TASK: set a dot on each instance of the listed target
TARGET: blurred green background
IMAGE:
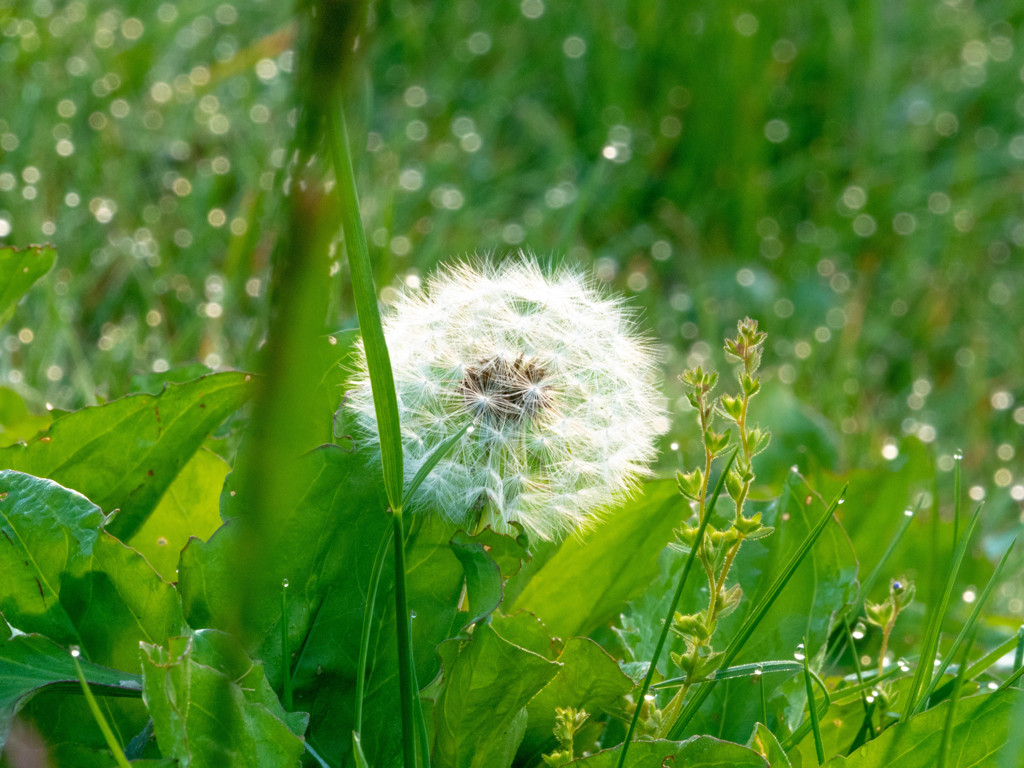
(850, 174)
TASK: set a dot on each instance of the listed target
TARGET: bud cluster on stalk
(717, 548)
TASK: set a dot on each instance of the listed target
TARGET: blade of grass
(804, 728)
(958, 468)
(958, 685)
(936, 614)
(425, 469)
(756, 615)
(860, 674)
(869, 582)
(101, 721)
(286, 662)
(982, 664)
(1017, 674)
(1018, 656)
(812, 710)
(691, 556)
(377, 358)
(740, 670)
(385, 402)
(968, 626)
(364, 637)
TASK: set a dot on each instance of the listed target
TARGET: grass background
(850, 174)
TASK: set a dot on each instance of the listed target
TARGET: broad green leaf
(69, 755)
(189, 507)
(480, 556)
(319, 543)
(29, 663)
(16, 421)
(332, 353)
(696, 752)
(481, 715)
(588, 580)
(213, 709)
(985, 733)
(19, 269)
(124, 454)
(763, 741)
(527, 631)
(589, 679)
(66, 578)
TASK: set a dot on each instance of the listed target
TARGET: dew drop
(958, 455)
(800, 655)
(649, 697)
(75, 651)
(794, 468)
(859, 631)
(412, 614)
(841, 501)
(908, 512)
(284, 583)
(758, 673)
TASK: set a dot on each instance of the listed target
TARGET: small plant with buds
(717, 548)
(568, 722)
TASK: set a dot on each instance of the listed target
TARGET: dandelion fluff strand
(559, 387)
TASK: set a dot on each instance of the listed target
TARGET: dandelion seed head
(558, 386)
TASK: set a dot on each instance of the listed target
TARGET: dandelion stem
(407, 696)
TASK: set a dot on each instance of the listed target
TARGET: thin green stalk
(101, 721)
(869, 582)
(364, 637)
(923, 674)
(958, 461)
(286, 662)
(757, 614)
(672, 610)
(1018, 656)
(860, 674)
(408, 698)
(969, 626)
(805, 727)
(811, 708)
(947, 728)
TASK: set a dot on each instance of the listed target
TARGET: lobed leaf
(125, 454)
(66, 578)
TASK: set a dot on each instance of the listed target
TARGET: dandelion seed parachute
(557, 385)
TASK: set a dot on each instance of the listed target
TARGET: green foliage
(481, 715)
(29, 663)
(697, 752)
(587, 580)
(19, 270)
(982, 731)
(66, 578)
(165, 517)
(211, 706)
(123, 455)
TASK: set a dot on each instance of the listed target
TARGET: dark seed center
(501, 390)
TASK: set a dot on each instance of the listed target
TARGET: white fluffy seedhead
(556, 384)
